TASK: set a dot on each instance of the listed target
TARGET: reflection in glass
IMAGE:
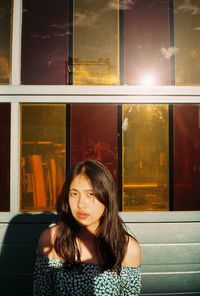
(43, 153)
(5, 40)
(94, 134)
(187, 42)
(147, 50)
(186, 157)
(44, 42)
(96, 42)
(5, 157)
(145, 157)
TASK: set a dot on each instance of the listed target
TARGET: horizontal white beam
(104, 99)
(76, 90)
(127, 217)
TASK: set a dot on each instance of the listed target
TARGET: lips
(82, 215)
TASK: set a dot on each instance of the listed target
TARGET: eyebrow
(83, 190)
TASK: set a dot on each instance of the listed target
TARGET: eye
(91, 194)
(73, 193)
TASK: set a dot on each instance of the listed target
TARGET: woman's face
(85, 207)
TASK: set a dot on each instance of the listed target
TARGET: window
(186, 157)
(145, 157)
(44, 42)
(5, 41)
(5, 157)
(109, 43)
(109, 53)
(95, 42)
(43, 146)
(187, 42)
(133, 140)
(147, 43)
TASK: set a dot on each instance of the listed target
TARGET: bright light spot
(148, 79)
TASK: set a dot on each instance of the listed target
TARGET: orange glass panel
(5, 40)
(96, 42)
(186, 157)
(43, 155)
(187, 42)
(145, 157)
(5, 157)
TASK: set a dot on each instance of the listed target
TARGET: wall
(170, 246)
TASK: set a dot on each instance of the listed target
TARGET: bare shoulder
(46, 241)
(133, 255)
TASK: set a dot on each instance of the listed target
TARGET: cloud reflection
(188, 7)
(169, 52)
(123, 5)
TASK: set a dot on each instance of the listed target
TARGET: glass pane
(146, 42)
(94, 134)
(186, 157)
(5, 40)
(187, 42)
(96, 42)
(44, 42)
(43, 155)
(5, 157)
(145, 157)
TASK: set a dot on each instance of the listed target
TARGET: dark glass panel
(96, 42)
(186, 157)
(44, 42)
(187, 42)
(5, 157)
(5, 40)
(43, 155)
(147, 49)
(94, 134)
(145, 158)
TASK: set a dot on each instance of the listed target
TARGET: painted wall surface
(170, 264)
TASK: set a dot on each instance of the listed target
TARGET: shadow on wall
(18, 244)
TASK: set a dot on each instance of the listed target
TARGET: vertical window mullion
(171, 160)
(16, 43)
(15, 158)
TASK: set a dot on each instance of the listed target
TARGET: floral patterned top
(51, 278)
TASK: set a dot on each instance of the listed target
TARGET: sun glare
(148, 79)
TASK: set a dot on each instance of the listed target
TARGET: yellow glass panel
(145, 157)
(187, 42)
(96, 42)
(43, 154)
(5, 40)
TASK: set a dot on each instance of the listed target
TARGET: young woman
(88, 252)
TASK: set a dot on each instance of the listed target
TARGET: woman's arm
(133, 254)
(130, 273)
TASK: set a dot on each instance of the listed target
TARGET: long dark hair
(111, 236)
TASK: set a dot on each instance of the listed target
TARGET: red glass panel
(44, 42)
(146, 42)
(5, 157)
(94, 134)
(186, 157)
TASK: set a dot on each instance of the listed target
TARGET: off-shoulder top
(52, 278)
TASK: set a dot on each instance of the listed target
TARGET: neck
(85, 234)
(87, 244)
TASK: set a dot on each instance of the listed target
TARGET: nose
(82, 202)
